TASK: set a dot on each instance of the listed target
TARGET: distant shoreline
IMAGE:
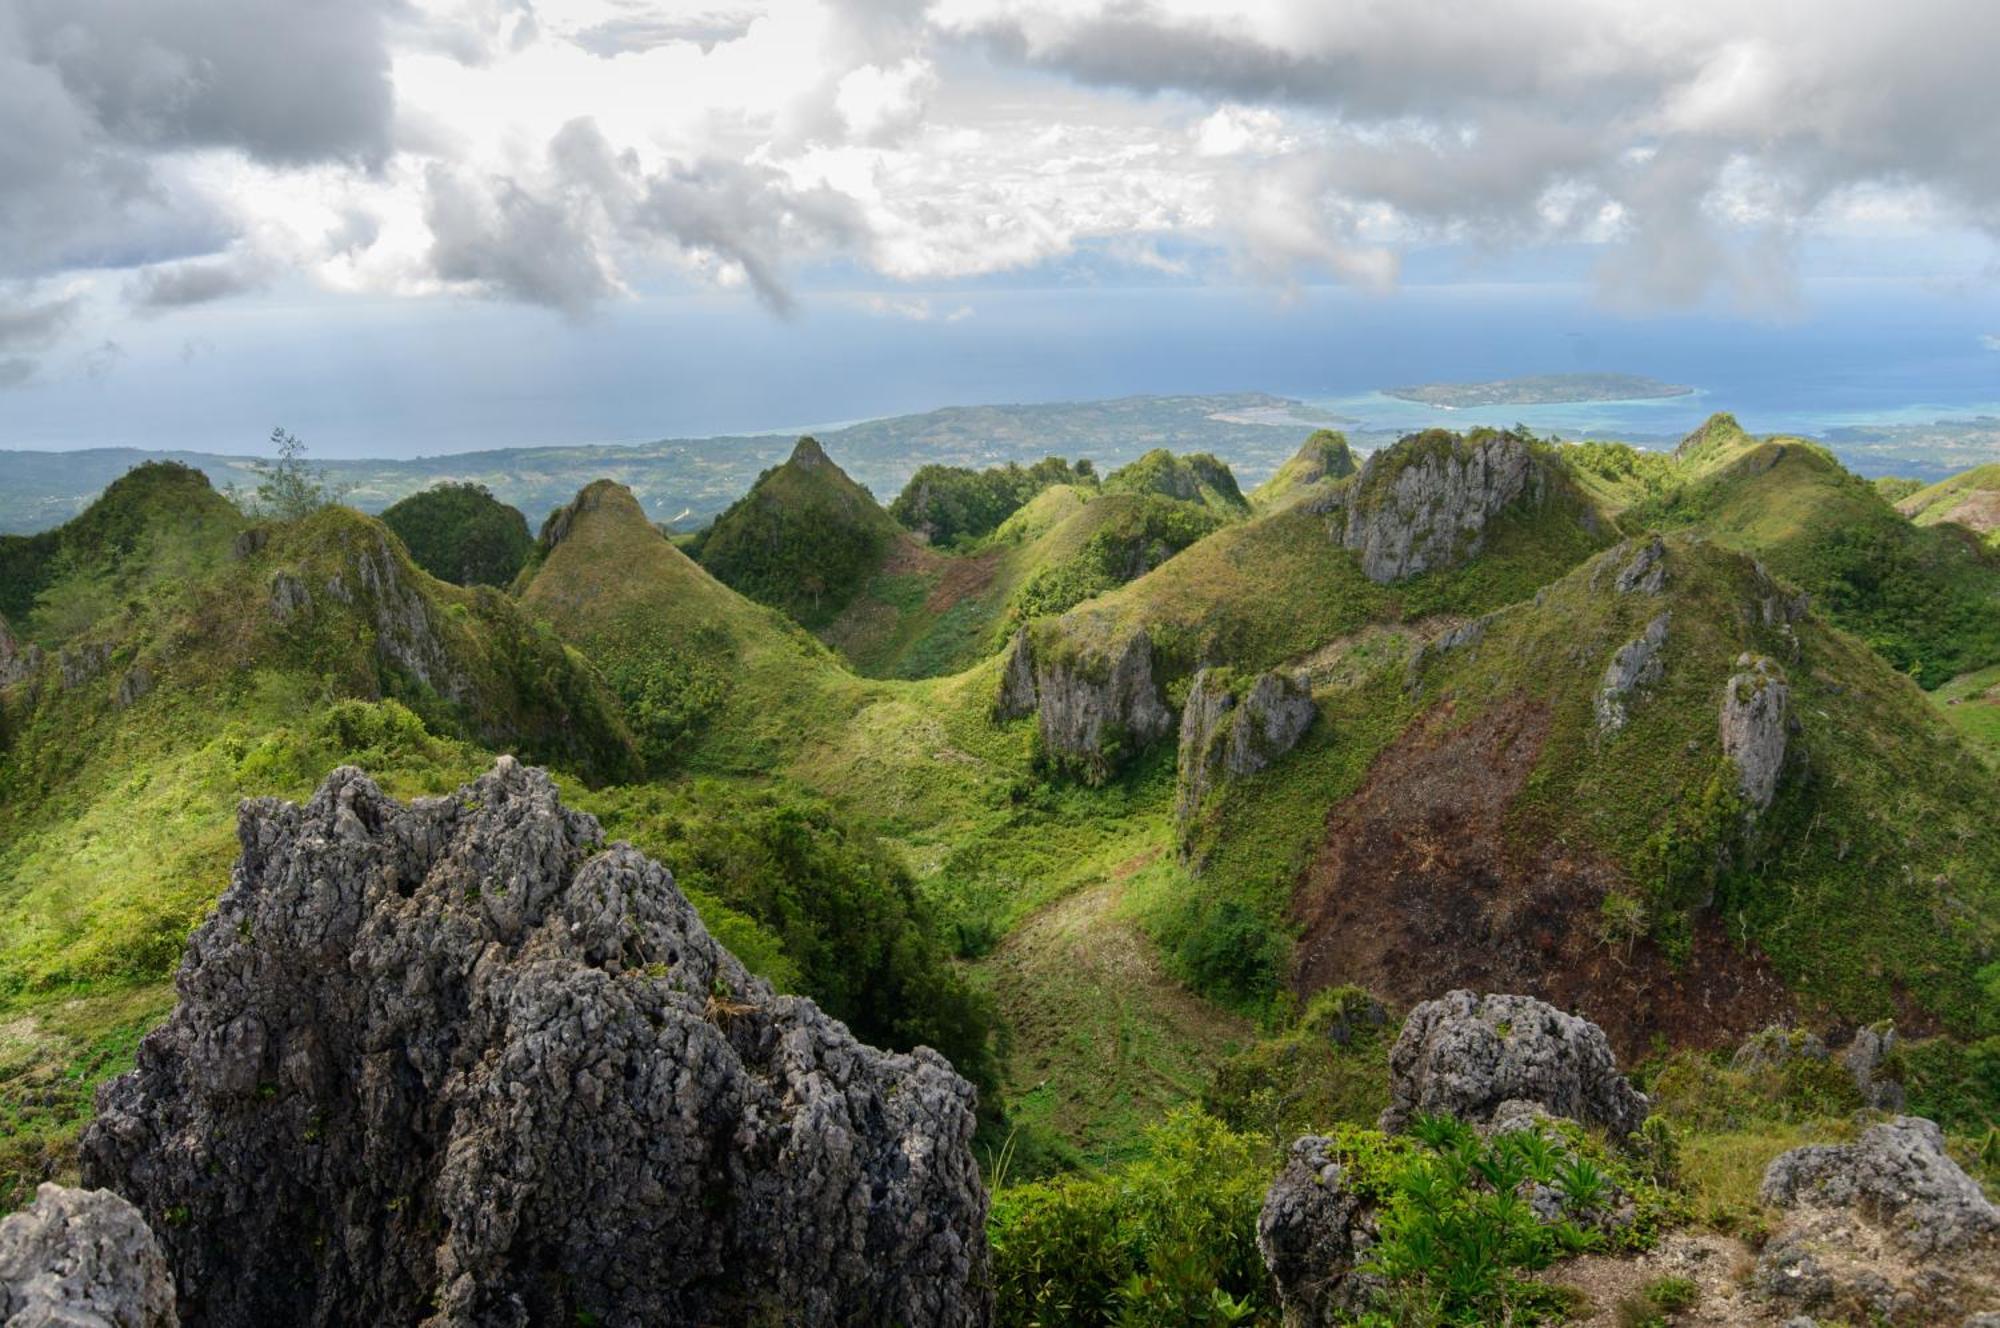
(1539, 390)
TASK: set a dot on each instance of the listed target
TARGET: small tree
(290, 488)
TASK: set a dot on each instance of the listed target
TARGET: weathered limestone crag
(1091, 710)
(1637, 664)
(1466, 1055)
(449, 1063)
(82, 1259)
(1425, 503)
(1314, 1232)
(1754, 723)
(1229, 731)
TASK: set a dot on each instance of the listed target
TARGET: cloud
(1711, 131)
(630, 33)
(158, 289)
(36, 326)
(1990, 341)
(16, 372)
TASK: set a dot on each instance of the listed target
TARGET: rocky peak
(807, 454)
(1425, 503)
(598, 495)
(454, 1062)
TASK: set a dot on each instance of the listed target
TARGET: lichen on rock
(451, 1062)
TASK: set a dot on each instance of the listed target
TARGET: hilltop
(1970, 498)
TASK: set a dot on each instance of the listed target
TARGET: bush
(1169, 1239)
(957, 505)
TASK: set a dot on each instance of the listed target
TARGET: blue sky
(499, 221)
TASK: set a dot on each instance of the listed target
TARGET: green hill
(804, 539)
(1926, 598)
(1970, 498)
(1324, 456)
(462, 534)
(1196, 477)
(1619, 868)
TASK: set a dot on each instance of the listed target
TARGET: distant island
(1539, 390)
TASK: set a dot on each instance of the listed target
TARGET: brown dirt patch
(1415, 890)
(963, 577)
(1716, 1264)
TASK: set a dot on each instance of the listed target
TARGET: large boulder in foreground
(1314, 1232)
(1465, 1055)
(1887, 1229)
(452, 1063)
(82, 1259)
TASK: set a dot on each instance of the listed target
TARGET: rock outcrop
(82, 1259)
(449, 1063)
(1425, 503)
(1887, 1228)
(1754, 723)
(1776, 1046)
(1647, 572)
(1637, 664)
(1313, 1232)
(1868, 1060)
(1091, 710)
(1466, 1055)
(1230, 731)
(18, 662)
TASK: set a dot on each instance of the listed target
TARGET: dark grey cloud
(159, 289)
(559, 240)
(28, 325)
(16, 372)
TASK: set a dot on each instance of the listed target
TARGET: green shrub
(1169, 1239)
(955, 505)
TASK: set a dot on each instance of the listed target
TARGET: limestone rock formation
(79, 665)
(1637, 664)
(17, 662)
(1647, 572)
(82, 1259)
(1467, 1055)
(1775, 1046)
(1425, 503)
(1887, 1228)
(1756, 710)
(1228, 731)
(1313, 1232)
(451, 1063)
(1091, 710)
(1867, 1059)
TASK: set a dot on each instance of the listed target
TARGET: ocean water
(400, 378)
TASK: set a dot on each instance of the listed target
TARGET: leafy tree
(956, 505)
(290, 488)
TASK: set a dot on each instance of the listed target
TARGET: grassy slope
(1928, 599)
(1877, 869)
(1970, 498)
(1324, 456)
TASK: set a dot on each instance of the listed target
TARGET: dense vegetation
(1127, 984)
(953, 505)
(462, 534)
(804, 538)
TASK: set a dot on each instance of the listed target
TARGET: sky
(421, 225)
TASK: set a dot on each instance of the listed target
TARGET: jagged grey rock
(136, 683)
(1898, 1175)
(450, 1063)
(82, 1259)
(1467, 1055)
(1229, 731)
(1425, 502)
(1865, 1059)
(1756, 705)
(1637, 664)
(1887, 1229)
(1092, 709)
(1313, 1233)
(289, 596)
(1647, 572)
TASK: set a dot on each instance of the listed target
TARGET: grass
(1970, 703)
